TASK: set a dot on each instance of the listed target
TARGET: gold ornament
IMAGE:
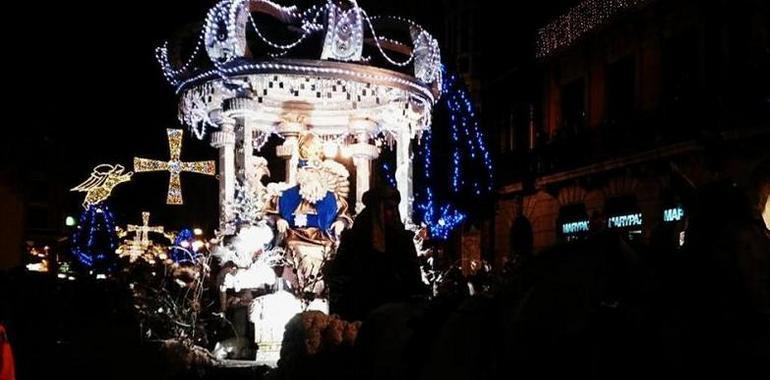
(142, 232)
(103, 179)
(174, 166)
(141, 246)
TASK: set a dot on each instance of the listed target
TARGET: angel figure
(103, 179)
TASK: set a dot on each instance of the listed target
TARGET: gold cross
(142, 232)
(174, 166)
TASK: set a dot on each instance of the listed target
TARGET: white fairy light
(578, 21)
(229, 15)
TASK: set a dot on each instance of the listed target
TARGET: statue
(312, 215)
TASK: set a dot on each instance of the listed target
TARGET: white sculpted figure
(312, 214)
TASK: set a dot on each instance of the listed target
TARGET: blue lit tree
(469, 175)
(181, 250)
(95, 239)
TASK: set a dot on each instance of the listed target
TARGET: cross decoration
(142, 232)
(174, 166)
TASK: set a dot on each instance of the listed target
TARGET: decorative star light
(580, 20)
(174, 166)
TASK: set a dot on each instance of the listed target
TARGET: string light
(95, 220)
(174, 166)
(183, 240)
(463, 120)
(439, 220)
(578, 21)
(227, 13)
(388, 175)
(468, 150)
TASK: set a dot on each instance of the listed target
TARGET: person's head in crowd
(383, 203)
(760, 189)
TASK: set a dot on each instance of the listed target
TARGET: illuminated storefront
(573, 222)
(623, 214)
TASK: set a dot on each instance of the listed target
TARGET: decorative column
(224, 140)
(289, 149)
(363, 153)
(363, 173)
(244, 149)
(404, 174)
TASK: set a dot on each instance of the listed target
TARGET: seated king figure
(312, 214)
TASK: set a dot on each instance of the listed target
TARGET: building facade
(626, 109)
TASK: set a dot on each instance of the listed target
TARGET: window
(681, 66)
(621, 89)
(573, 107)
(38, 191)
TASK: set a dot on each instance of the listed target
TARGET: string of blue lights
(178, 252)
(388, 175)
(442, 218)
(463, 120)
(95, 240)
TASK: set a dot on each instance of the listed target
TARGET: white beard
(312, 184)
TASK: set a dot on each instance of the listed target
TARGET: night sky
(94, 94)
(87, 90)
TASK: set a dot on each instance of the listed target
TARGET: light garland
(379, 46)
(578, 21)
(462, 119)
(439, 220)
(228, 17)
(97, 219)
(184, 238)
(388, 175)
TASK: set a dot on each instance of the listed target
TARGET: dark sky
(96, 95)
(87, 90)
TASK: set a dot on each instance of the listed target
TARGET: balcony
(695, 119)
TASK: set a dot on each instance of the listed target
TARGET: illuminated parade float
(335, 92)
(364, 91)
